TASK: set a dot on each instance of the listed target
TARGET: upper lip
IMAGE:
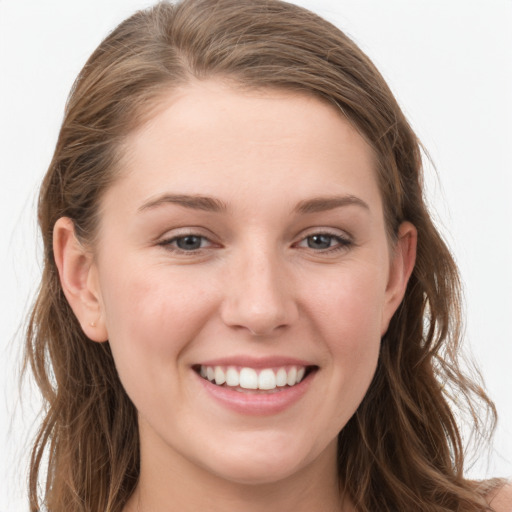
(256, 362)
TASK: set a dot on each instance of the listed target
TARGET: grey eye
(320, 241)
(189, 242)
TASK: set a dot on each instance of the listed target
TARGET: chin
(257, 472)
(262, 463)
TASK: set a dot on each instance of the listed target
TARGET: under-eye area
(261, 379)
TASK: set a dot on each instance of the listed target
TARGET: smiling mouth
(246, 379)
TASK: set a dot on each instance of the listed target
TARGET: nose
(259, 296)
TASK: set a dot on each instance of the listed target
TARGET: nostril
(265, 330)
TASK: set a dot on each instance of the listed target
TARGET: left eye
(323, 241)
(187, 242)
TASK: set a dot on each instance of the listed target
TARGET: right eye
(186, 243)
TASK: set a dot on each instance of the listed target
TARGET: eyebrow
(194, 202)
(211, 204)
(320, 204)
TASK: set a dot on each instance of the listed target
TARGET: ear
(403, 258)
(79, 279)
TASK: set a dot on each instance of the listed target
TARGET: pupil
(189, 243)
(319, 241)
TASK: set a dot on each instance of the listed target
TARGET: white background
(448, 62)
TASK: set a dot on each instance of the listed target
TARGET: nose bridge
(259, 296)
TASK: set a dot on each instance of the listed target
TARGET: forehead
(211, 138)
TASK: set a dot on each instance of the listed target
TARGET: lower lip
(255, 403)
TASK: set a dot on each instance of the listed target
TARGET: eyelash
(342, 243)
(171, 243)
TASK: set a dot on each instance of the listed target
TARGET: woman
(245, 304)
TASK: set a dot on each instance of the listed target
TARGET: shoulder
(500, 498)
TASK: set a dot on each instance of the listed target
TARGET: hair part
(402, 450)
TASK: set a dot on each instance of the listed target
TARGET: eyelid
(181, 231)
(334, 232)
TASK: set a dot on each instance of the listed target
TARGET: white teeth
(232, 377)
(292, 376)
(249, 378)
(220, 376)
(266, 379)
(281, 377)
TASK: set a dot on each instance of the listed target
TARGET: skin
(501, 500)
(257, 287)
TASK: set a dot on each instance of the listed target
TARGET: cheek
(153, 313)
(153, 316)
(347, 315)
(348, 308)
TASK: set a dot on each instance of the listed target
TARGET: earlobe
(78, 279)
(402, 265)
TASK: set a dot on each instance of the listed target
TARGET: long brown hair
(402, 450)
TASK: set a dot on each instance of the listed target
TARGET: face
(245, 241)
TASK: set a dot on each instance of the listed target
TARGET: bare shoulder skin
(501, 499)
